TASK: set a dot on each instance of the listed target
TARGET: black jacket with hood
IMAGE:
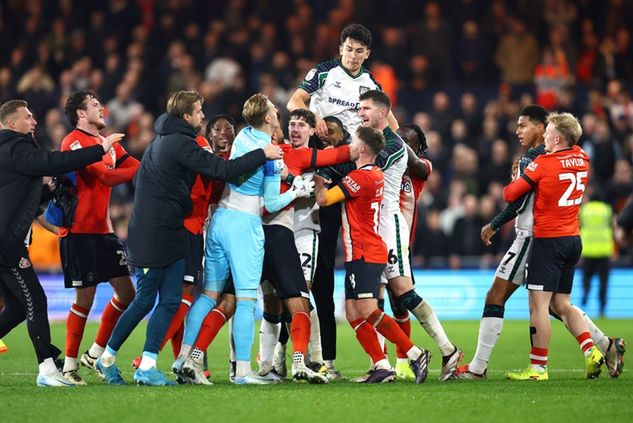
(22, 165)
(162, 199)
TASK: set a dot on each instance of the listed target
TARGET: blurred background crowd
(460, 69)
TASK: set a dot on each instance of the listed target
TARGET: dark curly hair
(77, 101)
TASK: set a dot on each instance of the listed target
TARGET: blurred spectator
(433, 39)
(466, 239)
(517, 54)
(473, 55)
(122, 108)
(550, 75)
(603, 152)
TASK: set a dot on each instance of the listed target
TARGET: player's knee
(246, 294)
(227, 305)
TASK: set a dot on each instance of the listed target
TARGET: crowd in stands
(460, 69)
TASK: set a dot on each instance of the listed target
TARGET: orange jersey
(559, 180)
(363, 189)
(301, 159)
(200, 196)
(410, 191)
(95, 182)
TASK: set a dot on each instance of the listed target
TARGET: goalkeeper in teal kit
(235, 238)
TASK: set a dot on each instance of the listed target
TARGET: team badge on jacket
(24, 263)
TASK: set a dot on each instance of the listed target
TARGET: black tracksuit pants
(24, 298)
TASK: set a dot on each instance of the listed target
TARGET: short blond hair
(181, 102)
(567, 125)
(255, 110)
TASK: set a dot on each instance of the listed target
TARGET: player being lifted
(374, 109)
(511, 271)
(558, 179)
(366, 255)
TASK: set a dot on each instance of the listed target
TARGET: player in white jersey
(333, 88)
(510, 273)
(374, 109)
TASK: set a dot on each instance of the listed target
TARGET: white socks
(316, 352)
(489, 331)
(268, 337)
(47, 367)
(599, 338)
(429, 321)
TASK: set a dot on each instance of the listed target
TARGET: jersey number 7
(575, 184)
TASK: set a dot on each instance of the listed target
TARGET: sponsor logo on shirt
(362, 90)
(351, 184)
(351, 104)
(337, 84)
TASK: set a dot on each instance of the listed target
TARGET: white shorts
(512, 266)
(395, 233)
(307, 242)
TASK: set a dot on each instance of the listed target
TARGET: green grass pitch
(567, 396)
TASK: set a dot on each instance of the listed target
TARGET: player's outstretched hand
(111, 140)
(302, 187)
(273, 152)
(487, 233)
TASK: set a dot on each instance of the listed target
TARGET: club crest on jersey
(532, 166)
(406, 186)
(311, 74)
(24, 263)
(362, 90)
(76, 145)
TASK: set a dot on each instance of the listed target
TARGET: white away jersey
(335, 92)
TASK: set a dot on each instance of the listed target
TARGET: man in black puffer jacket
(156, 236)
(22, 165)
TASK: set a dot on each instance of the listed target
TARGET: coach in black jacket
(156, 236)
(22, 165)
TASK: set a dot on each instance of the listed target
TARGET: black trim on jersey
(348, 195)
(313, 160)
(514, 208)
(529, 181)
(121, 159)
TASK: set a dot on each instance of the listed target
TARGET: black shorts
(229, 287)
(194, 245)
(282, 267)
(89, 259)
(551, 264)
(362, 280)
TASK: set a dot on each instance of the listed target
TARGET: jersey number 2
(575, 184)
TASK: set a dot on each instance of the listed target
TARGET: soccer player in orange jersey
(366, 256)
(558, 179)
(90, 251)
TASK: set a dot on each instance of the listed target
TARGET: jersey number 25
(575, 184)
